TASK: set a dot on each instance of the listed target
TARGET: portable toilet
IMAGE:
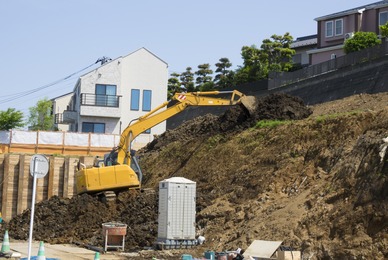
(176, 220)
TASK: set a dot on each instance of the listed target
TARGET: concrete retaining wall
(368, 77)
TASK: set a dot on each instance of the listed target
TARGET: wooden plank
(1, 177)
(66, 174)
(51, 180)
(73, 162)
(16, 183)
(4, 193)
(55, 149)
(21, 185)
(12, 188)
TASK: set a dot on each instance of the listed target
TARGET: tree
(41, 117)
(11, 119)
(173, 85)
(384, 30)
(255, 68)
(224, 78)
(361, 40)
(275, 54)
(187, 80)
(204, 80)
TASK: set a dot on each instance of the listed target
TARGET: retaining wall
(16, 182)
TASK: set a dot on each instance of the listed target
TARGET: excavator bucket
(250, 103)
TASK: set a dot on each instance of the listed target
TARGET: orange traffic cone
(5, 246)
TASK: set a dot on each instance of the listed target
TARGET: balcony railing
(69, 116)
(58, 118)
(100, 100)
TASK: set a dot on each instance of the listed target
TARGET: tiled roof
(305, 41)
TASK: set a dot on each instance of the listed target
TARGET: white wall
(59, 105)
(138, 70)
(143, 70)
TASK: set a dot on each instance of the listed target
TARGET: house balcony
(100, 105)
(68, 117)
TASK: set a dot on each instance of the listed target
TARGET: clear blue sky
(43, 41)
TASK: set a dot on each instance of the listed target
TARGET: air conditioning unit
(333, 56)
(348, 35)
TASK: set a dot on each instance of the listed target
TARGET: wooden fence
(16, 181)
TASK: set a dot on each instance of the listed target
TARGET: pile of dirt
(320, 184)
(80, 219)
(277, 106)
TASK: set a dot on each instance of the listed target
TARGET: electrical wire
(13, 97)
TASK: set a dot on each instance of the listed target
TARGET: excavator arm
(120, 171)
(183, 100)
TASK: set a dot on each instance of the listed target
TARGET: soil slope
(315, 179)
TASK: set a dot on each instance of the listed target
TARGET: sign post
(39, 166)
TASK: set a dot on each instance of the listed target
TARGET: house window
(106, 95)
(329, 29)
(339, 27)
(383, 18)
(147, 94)
(135, 99)
(93, 128)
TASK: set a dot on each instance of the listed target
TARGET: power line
(13, 97)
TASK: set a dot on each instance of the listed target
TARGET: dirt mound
(318, 184)
(79, 219)
(278, 106)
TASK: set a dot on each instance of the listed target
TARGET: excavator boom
(119, 164)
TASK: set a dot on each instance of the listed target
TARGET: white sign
(39, 166)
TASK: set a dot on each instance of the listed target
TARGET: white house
(106, 99)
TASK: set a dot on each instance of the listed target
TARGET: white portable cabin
(176, 221)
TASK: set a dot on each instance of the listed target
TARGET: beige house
(61, 104)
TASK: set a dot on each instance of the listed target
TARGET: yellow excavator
(119, 170)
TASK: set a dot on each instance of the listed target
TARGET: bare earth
(315, 178)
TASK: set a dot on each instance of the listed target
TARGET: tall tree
(254, 68)
(204, 79)
(11, 119)
(224, 76)
(187, 80)
(277, 51)
(174, 85)
(41, 117)
(275, 54)
(361, 40)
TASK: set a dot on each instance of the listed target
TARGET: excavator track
(107, 196)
